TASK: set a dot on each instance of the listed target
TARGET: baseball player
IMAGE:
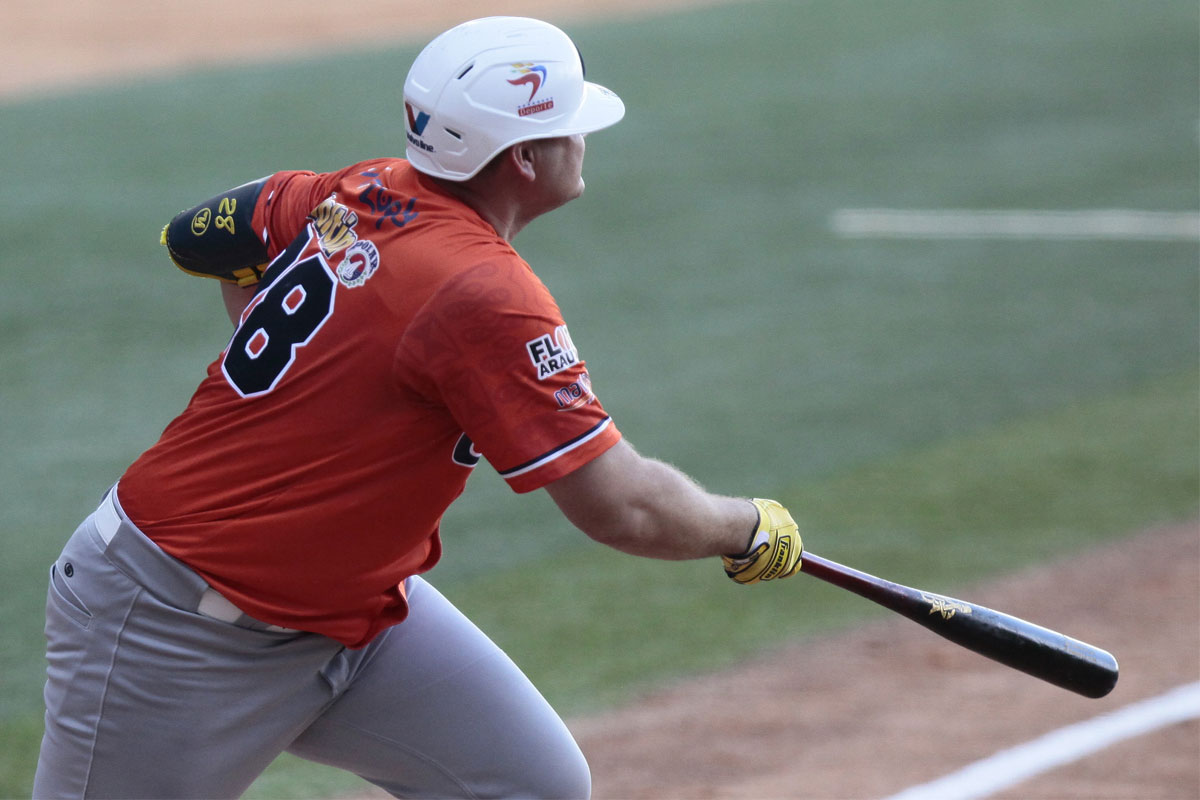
(251, 584)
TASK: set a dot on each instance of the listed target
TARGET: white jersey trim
(557, 452)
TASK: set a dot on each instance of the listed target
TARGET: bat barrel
(1051, 656)
(1032, 649)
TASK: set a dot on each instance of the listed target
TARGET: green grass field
(943, 411)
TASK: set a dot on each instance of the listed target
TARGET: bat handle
(830, 571)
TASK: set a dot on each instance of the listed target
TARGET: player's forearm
(644, 507)
(674, 518)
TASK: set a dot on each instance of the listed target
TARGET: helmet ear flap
(491, 82)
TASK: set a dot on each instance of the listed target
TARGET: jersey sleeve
(492, 347)
(288, 198)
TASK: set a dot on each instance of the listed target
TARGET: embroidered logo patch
(334, 224)
(552, 353)
(359, 263)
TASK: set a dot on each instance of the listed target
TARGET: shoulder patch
(334, 224)
(359, 263)
(552, 353)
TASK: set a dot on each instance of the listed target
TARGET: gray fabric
(147, 698)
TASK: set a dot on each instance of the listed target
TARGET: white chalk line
(950, 223)
(1063, 746)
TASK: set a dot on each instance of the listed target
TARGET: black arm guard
(216, 240)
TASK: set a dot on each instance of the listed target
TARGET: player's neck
(498, 203)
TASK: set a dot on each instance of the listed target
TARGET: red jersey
(396, 339)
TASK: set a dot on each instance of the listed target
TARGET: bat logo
(532, 75)
(944, 605)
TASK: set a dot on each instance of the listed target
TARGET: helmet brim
(600, 108)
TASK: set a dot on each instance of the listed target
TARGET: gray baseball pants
(155, 688)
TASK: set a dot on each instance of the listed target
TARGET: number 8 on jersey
(283, 318)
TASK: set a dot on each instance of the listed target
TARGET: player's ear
(523, 158)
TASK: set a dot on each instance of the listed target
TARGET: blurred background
(938, 397)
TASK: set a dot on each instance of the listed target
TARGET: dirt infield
(867, 714)
(48, 45)
(861, 715)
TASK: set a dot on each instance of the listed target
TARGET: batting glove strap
(775, 548)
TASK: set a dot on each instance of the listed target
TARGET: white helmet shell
(490, 83)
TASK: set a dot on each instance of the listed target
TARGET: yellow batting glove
(774, 550)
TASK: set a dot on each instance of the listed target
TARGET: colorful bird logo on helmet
(533, 75)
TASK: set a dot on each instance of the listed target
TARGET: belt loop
(214, 604)
(106, 518)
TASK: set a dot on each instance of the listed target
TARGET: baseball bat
(1032, 649)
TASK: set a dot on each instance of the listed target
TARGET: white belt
(212, 603)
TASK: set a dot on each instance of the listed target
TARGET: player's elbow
(608, 500)
(627, 529)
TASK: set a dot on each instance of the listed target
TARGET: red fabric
(307, 502)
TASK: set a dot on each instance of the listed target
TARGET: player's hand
(774, 550)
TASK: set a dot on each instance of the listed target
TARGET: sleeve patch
(552, 353)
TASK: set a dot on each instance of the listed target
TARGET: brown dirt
(66, 43)
(859, 715)
(872, 712)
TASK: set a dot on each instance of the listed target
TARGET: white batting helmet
(489, 83)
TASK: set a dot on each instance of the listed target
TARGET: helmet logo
(533, 76)
(416, 121)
